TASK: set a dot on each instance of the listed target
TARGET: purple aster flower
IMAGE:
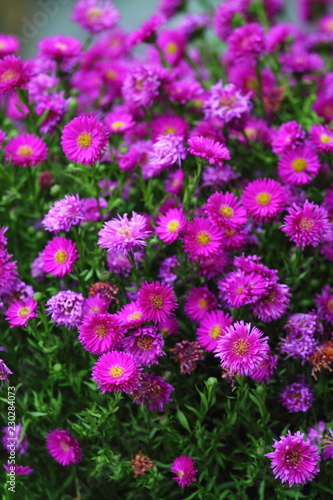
(295, 459)
(140, 86)
(247, 40)
(288, 136)
(265, 370)
(145, 345)
(4, 373)
(100, 333)
(66, 308)
(124, 234)
(301, 61)
(15, 438)
(153, 392)
(183, 467)
(297, 397)
(210, 150)
(242, 348)
(324, 301)
(226, 102)
(273, 305)
(63, 447)
(187, 354)
(165, 152)
(307, 225)
(322, 138)
(166, 272)
(95, 15)
(20, 470)
(298, 166)
(300, 342)
(64, 214)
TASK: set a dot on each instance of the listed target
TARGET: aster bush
(166, 248)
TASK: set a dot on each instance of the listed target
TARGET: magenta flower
(298, 166)
(183, 467)
(294, 460)
(199, 302)
(225, 210)
(140, 86)
(172, 43)
(25, 150)
(265, 370)
(14, 74)
(95, 15)
(247, 40)
(308, 225)
(273, 305)
(213, 151)
(145, 345)
(239, 288)
(264, 199)
(116, 371)
(124, 234)
(84, 140)
(202, 238)
(153, 391)
(63, 447)
(242, 348)
(59, 256)
(211, 328)
(96, 304)
(226, 102)
(297, 397)
(15, 437)
(289, 136)
(4, 372)
(168, 125)
(146, 32)
(170, 225)
(324, 301)
(66, 308)
(8, 45)
(322, 138)
(100, 332)
(130, 316)
(64, 214)
(20, 470)
(118, 122)
(19, 312)
(157, 301)
(60, 47)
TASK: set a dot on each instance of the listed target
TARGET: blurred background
(32, 20)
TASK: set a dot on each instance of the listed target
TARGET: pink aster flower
(298, 166)
(264, 199)
(223, 18)
(141, 86)
(15, 438)
(322, 137)
(59, 256)
(289, 136)
(239, 288)
(100, 332)
(165, 152)
(19, 312)
(84, 140)
(225, 210)
(297, 397)
(25, 150)
(170, 225)
(8, 45)
(124, 234)
(308, 225)
(145, 345)
(116, 371)
(226, 102)
(20, 470)
(60, 47)
(211, 328)
(130, 316)
(66, 308)
(4, 372)
(324, 301)
(273, 305)
(247, 40)
(183, 467)
(199, 302)
(265, 370)
(14, 74)
(96, 304)
(117, 122)
(63, 447)
(95, 15)
(202, 238)
(153, 391)
(167, 125)
(172, 43)
(295, 459)
(146, 32)
(64, 214)
(211, 150)
(242, 348)
(157, 301)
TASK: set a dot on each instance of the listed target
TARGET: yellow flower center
(263, 199)
(171, 48)
(111, 74)
(226, 211)
(124, 231)
(203, 238)
(61, 46)
(23, 312)
(145, 343)
(202, 303)
(325, 139)
(228, 101)
(9, 75)
(239, 290)
(61, 257)
(117, 125)
(84, 140)
(2, 45)
(229, 232)
(94, 13)
(215, 331)
(250, 132)
(329, 25)
(135, 315)
(293, 458)
(173, 226)
(169, 130)
(156, 301)
(101, 331)
(64, 446)
(306, 224)
(180, 473)
(241, 347)
(25, 151)
(299, 164)
(116, 371)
